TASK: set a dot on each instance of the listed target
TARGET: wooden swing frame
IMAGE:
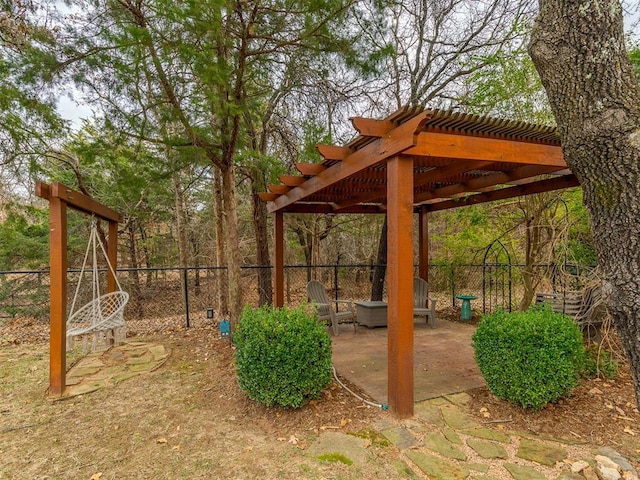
(60, 197)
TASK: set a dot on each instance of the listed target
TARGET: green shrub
(283, 356)
(529, 358)
(599, 363)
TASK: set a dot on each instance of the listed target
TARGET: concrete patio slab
(443, 359)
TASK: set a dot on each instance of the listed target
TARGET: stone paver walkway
(442, 442)
(99, 369)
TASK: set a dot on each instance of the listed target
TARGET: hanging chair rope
(103, 312)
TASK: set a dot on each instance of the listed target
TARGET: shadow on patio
(443, 359)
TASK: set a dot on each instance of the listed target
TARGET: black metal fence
(162, 293)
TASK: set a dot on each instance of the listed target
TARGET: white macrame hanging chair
(103, 317)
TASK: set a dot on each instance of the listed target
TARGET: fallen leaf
(629, 431)
(96, 476)
(595, 391)
(344, 422)
(175, 447)
(161, 440)
(293, 440)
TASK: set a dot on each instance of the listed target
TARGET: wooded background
(198, 105)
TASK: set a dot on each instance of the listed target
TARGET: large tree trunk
(181, 227)
(579, 50)
(380, 268)
(136, 291)
(234, 290)
(221, 284)
(265, 291)
(303, 232)
(541, 237)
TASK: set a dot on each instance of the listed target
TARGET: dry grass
(187, 419)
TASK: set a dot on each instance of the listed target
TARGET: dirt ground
(599, 411)
(189, 419)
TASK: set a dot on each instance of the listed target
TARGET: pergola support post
(58, 294)
(279, 259)
(400, 285)
(423, 243)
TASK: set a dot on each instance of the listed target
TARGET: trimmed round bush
(529, 358)
(283, 356)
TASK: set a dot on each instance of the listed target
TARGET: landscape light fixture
(225, 328)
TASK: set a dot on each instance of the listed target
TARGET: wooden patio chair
(328, 309)
(585, 307)
(423, 306)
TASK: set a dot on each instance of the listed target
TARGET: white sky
(74, 111)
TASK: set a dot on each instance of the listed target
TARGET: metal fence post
(453, 287)
(335, 279)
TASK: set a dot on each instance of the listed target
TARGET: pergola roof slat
(394, 143)
(453, 154)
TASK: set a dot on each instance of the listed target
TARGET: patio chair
(586, 307)
(328, 309)
(423, 306)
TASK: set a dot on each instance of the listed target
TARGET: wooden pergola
(416, 161)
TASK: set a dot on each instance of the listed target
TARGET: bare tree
(438, 43)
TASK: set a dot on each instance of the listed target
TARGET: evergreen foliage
(283, 356)
(529, 358)
(24, 242)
